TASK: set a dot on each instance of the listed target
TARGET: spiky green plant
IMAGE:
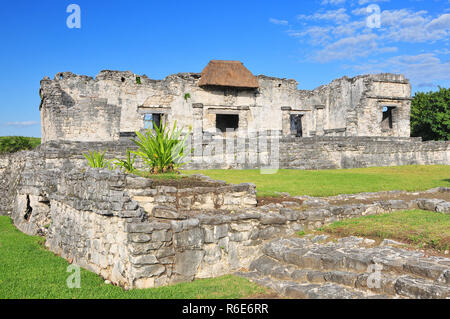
(97, 160)
(161, 149)
(128, 164)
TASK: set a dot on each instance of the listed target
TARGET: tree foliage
(430, 115)
(11, 144)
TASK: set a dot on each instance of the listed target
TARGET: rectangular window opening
(150, 120)
(387, 121)
(227, 121)
(296, 124)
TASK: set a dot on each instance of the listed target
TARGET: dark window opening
(152, 120)
(387, 121)
(227, 121)
(122, 79)
(296, 124)
(28, 210)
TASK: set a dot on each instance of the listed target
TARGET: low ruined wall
(101, 227)
(296, 153)
(355, 152)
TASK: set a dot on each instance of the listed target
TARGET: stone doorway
(296, 124)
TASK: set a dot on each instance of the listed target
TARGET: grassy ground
(10, 144)
(334, 182)
(146, 174)
(419, 228)
(27, 270)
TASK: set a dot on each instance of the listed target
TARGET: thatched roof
(228, 73)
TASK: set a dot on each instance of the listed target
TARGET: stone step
(357, 255)
(351, 267)
(296, 290)
(267, 267)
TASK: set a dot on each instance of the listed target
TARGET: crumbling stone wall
(71, 108)
(114, 104)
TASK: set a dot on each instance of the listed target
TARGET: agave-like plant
(97, 160)
(128, 164)
(162, 150)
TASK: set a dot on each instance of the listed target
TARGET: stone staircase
(349, 268)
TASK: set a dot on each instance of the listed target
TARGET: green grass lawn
(11, 144)
(420, 228)
(334, 182)
(27, 270)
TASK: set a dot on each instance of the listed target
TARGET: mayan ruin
(240, 151)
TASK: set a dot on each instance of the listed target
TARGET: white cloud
(443, 51)
(333, 2)
(317, 35)
(336, 35)
(363, 2)
(277, 21)
(441, 23)
(420, 69)
(338, 16)
(351, 48)
(344, 35)
(22, 124)
(413, 27)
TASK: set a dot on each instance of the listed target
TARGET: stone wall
(256, 152)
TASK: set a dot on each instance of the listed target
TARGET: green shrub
(11, 144)
(126, 165)
(97, 160)
(162, 150)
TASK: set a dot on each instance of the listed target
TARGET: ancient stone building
(224, 96)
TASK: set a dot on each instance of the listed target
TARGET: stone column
(319, 119)
(197, 131)
(286, 120)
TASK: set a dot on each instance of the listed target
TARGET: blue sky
(310, 41)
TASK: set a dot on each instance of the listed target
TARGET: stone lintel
(147, 109)
(390, 98)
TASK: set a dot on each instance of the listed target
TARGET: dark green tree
(430, 115)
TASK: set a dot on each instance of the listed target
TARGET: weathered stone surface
(429, 204)
(193, 238)
(149, 271)
(417, 288)
(308, 268)
(166, 213)
(143, 260)
(187, 262)
(443, 207)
